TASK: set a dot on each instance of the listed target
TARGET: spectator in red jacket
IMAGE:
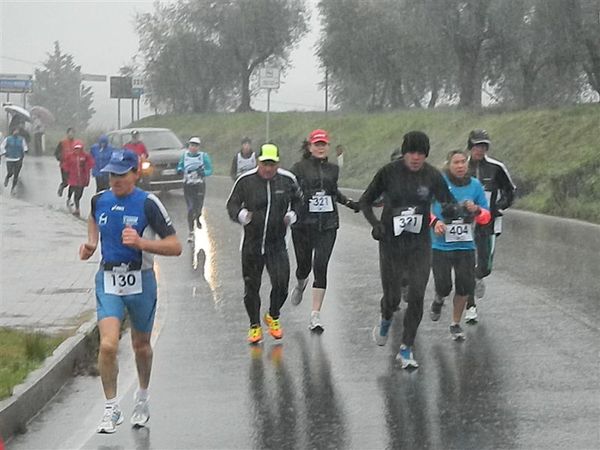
(136, 145)
(79, 164)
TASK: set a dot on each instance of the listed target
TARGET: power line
(20, 60)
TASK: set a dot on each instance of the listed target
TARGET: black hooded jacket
(314, 176)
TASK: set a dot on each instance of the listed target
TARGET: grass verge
(20, 353)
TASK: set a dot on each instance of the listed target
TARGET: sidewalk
(43, 284)
(44, 287)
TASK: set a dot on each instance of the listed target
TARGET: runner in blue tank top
(126, 220)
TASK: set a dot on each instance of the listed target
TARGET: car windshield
(160, 140)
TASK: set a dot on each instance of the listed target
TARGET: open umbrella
(42, 114)
(17, 111)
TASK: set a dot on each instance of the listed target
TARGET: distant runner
(78, 165)
(500, 193)
(13, 148)
(195, 167)
(63, 149)
(244, 160)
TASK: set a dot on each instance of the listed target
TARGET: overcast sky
(101, 37)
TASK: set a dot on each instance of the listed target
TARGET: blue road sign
(16, 83)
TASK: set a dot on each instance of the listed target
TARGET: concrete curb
(43, 384)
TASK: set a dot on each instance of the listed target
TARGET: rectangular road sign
(16, 83)
(268, 78)
(92, 77)
(120, 87)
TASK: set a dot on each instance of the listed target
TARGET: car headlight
(146, 165)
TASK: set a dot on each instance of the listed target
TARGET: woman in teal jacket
(452, 239)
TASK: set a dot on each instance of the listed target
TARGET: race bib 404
(459, 232)
(123, 282)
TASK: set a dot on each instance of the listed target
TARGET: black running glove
(378, 232)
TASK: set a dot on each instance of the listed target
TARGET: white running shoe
(457, 332)
(141, 413)
(111, 418)
(471, 315)
(479, 288)
(298, 291)
(380, 332)
(406, 358)
(315, 322)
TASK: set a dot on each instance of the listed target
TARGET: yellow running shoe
(274, 326)
(254, 335)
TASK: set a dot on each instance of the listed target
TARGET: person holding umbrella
(41, 118)
(14, 147)
(19, 118)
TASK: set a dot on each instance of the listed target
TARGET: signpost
(16, 83)
(268, 78)
(126, 87)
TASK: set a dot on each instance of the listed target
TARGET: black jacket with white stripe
(496, 181)
(268, 201)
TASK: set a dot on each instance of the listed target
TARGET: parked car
(159, 171)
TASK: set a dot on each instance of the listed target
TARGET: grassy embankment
(553, 155)
(20, 353)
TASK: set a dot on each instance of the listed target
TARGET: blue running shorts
(140, 307)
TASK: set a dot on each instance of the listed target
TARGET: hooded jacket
(268, 201)
(101, 152)
(78, 165)
(318, 177)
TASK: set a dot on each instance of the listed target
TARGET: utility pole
(326, 89)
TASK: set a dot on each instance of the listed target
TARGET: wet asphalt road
(526, 377)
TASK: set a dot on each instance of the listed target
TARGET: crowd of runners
(445, 222)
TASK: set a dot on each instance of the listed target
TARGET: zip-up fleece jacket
(318, 175)
(497, 184)
(268, 201)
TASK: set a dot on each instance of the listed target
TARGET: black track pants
(77, 193)
(278, 267)
(395, 261)
(13, 169)
(194, 199)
